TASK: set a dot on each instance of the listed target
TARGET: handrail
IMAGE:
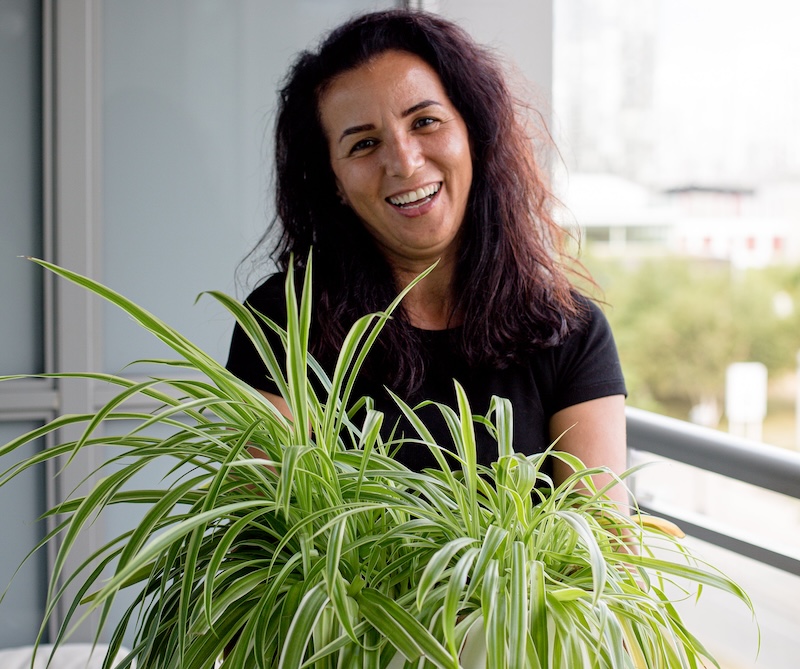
(753, 462)
(750, 461)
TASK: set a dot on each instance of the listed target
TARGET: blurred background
(135, 142)
(679, 167)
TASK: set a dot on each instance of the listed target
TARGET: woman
(398, 144)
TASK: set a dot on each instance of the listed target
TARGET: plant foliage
(330, 554)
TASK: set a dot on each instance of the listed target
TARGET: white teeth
(415, 195)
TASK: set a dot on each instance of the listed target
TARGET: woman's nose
(403, 156)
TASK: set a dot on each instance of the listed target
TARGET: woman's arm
(595, 433)
(280, 404)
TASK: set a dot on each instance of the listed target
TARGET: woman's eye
(362, 144)
(425, 122)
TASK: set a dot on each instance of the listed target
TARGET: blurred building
(747, 227)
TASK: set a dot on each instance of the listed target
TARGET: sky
(725, 87)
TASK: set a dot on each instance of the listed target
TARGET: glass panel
(189, 92)
(682, 168)
(20, 186)
(120, 518)
(22, 501)
(676, 120)
(724, 624)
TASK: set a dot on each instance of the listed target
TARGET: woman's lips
(416, 202)
(414, 195)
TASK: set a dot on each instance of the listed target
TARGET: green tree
(680, 322)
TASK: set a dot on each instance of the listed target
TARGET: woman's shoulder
(270, 290)
(591, 317)
(590, 344)
(587, 333)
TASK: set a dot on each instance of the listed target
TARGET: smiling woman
(332, 553)
(399, 145)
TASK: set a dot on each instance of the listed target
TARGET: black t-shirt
(584, 367)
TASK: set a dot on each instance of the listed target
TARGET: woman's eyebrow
(354, 130)
(419, 106)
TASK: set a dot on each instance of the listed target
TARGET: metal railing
(762, 465)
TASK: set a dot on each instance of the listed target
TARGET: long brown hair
(509, 284)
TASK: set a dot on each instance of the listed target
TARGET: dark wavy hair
(510, 286)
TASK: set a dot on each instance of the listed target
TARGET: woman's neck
(429, 305)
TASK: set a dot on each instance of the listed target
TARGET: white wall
(136, 143)
(521, 31)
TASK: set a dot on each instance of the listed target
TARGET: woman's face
(400, 153)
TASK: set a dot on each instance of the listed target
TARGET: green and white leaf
(335, 556)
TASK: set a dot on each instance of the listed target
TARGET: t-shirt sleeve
(243, 359)
(587, 366)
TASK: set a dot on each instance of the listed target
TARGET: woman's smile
(414, 202)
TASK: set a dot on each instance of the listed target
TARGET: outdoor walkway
(725, 626)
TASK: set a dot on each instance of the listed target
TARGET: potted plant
(333, 555)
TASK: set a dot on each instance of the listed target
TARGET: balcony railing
(762, 465)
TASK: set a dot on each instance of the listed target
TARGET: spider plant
(329, 554)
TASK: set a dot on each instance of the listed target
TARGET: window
(682, 115)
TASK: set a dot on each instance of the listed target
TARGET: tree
(679, 323)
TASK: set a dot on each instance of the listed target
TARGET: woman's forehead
(393, 82)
